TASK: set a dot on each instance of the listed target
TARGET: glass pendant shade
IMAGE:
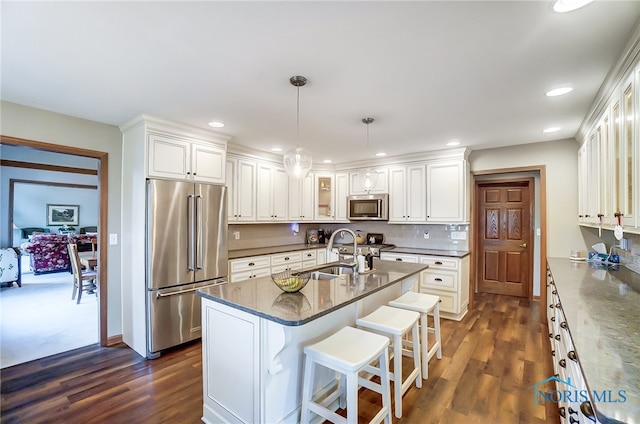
(297, 162)
(368, 179)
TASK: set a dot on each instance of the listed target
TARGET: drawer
(440, 280)
(286, 258)
(437, 262)
(448, 301)
(247, 275)
(309, 264)
(308, 255)
(399, 257)
(289, 265)
(245, 264)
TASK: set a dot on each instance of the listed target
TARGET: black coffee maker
(321, 239)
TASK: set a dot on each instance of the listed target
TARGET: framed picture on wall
(63, 214)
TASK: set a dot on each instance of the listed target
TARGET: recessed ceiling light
(453, 143)
(564, 6)
(326, 161)
(216, 124)
(276, 149)
(551, 129)
(558, 91)
(380, 154)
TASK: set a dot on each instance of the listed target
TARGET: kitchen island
(253, 334)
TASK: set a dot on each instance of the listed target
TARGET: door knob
(522, 245)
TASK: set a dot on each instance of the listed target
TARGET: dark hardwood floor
(490, 361)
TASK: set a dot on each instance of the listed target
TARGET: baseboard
(114, 340)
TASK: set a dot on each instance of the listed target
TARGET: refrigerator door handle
(158, 294)
(199, 226)
(190, 232)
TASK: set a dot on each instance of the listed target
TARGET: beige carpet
(39, 319)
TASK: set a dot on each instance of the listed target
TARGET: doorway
(504, 242)
(102, 158)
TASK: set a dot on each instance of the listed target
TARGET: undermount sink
(331, 272)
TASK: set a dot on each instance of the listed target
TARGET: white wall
(40, 125)
(561, 160)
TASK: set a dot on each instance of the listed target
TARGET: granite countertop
(261, 297)
(244, 253)
(602, 308)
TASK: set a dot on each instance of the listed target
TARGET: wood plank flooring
(490, 360)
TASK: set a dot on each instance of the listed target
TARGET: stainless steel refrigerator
(186, 250)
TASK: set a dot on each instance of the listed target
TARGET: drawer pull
(558, 306)
(553, 318)
(551, 306)
(251, 264)
(553, 353)
(587, 410)
(572, 411)
(399, 259)
(438, 263)
(438, 279)
(562, 412)
(308, 255)
(572, 355)
(563, 324)
(573, 420)
(286, 258)
(563, 363)
(557, 337)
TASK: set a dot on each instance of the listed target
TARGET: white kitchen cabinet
(301, 199)
(241, 189)
(180, 158)
(321, 256)
(331, 191)
(407, 194)
(447, 192)
(583, 184)
(381, 186)
(272, 188)
(247, 268)
(446, 277)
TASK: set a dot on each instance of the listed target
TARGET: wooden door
(504, 242)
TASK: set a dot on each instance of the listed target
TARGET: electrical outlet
(113, 239)
(426, 234)
(236, 235)
(458, 235)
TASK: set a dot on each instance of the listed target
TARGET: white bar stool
(425, 304)
(395, 323)
(349, 352)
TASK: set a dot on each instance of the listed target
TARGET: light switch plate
(113, 239)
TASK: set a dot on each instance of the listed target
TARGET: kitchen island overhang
(253, 334)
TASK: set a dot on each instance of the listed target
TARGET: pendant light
(369, 178)
(297, 162)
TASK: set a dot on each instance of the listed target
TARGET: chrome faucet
(330, 248)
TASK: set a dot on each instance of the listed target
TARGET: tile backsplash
(630, 257)
(443, 237)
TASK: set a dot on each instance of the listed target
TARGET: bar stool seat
(395, 323)
(349, 351)
(425, 304)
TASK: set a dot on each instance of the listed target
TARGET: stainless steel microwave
(368, 207)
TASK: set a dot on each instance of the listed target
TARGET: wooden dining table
(88, 259)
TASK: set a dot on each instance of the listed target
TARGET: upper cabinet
(609, 163)
(175, 157)
(357, 184)
(301, 199)
(447, 191)
(241, 189)
(272, 189)
(331, 191)
(407, 194)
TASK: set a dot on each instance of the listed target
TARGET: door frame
(541, 171)
(103, 166)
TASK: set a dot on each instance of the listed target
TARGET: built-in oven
(368, 207)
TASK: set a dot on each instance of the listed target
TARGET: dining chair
(83, 280)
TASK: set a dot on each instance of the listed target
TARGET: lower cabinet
(265, 265)
(566, 364)
(446, 277)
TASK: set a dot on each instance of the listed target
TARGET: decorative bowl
(291, 281)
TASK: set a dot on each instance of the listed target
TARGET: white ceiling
(428, 72)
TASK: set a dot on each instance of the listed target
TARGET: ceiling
(428, 72)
